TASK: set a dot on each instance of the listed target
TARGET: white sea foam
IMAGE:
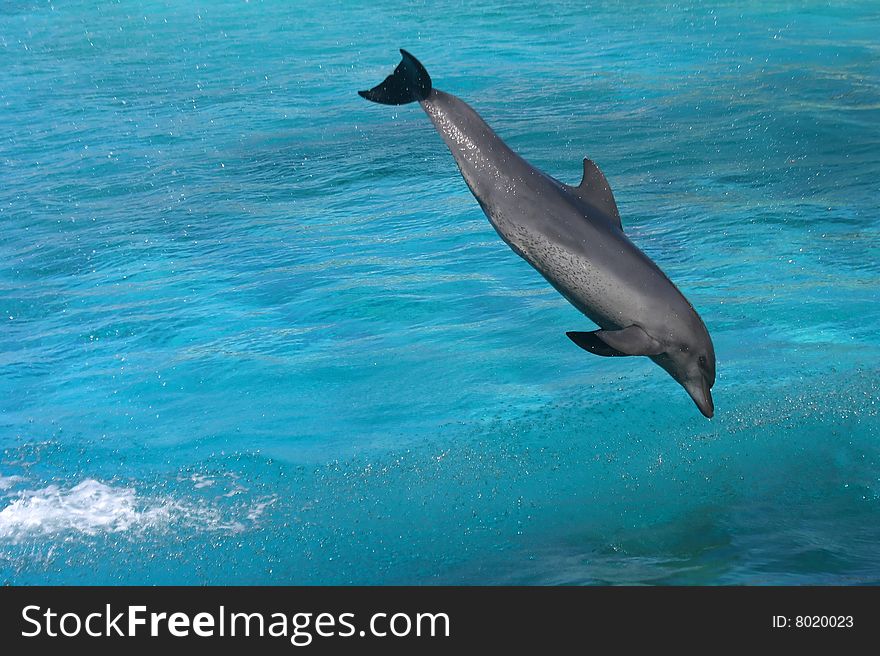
(90, 508)
(201, 481)
(7, 482)
(260, 506)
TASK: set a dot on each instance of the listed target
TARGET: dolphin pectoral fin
(595, 190)
(631, 340)
(590, 342)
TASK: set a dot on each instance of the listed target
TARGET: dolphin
(572, 236)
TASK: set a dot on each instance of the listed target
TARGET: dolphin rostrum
(572, 236)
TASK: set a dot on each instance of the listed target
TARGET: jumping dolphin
(572, 236)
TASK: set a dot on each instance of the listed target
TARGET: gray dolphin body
(572, 236)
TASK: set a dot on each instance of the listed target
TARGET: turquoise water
(256, 330)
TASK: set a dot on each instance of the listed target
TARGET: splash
(90, 507)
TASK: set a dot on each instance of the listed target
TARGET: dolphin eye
(702, 360)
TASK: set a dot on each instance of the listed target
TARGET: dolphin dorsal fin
(595, 190)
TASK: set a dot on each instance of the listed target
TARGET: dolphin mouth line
(702, 396)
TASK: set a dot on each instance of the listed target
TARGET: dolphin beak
(702, 396)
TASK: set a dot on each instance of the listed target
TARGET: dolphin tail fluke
(408, 83)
